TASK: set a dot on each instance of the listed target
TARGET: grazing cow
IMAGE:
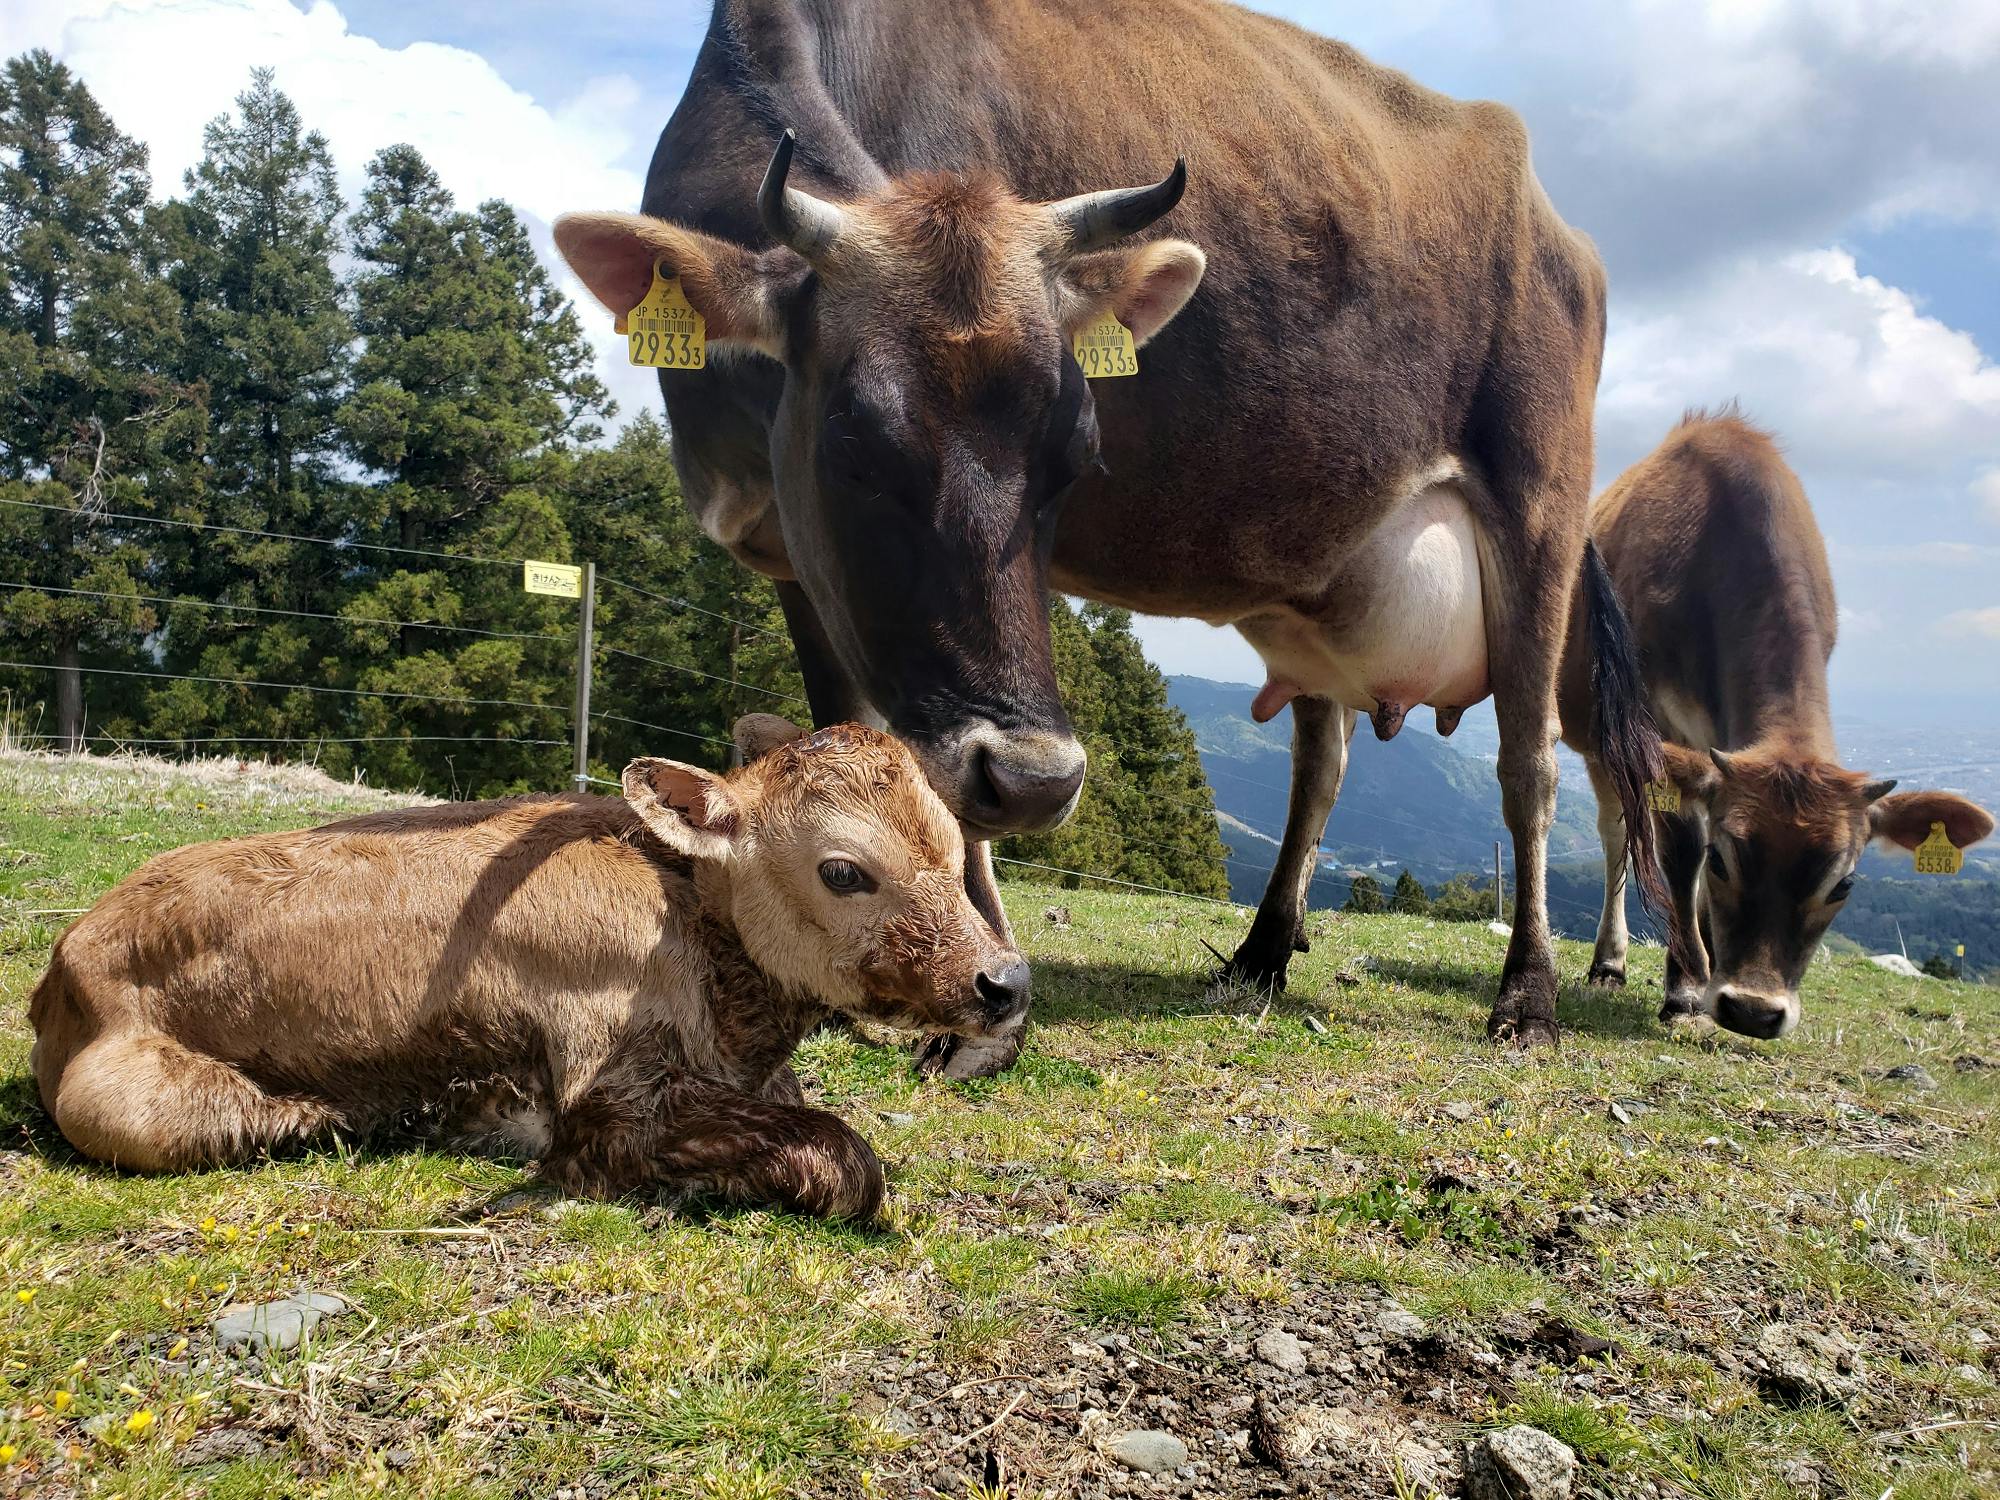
(1714, 554)
(1365, 443)
(613, 986)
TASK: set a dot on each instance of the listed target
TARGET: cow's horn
(1091, 221)
(807, 224)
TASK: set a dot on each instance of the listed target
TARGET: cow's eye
(844, 878)
(1716, 867)
(1842, 889)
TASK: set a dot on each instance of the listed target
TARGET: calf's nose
(1750, 1014)
(1003, 990)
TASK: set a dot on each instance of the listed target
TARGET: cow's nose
(1003, 990)
(1751, 1014)
(1025, 790)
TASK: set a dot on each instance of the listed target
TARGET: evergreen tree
(1364, 896)
(1463, 899)
(1410, 898)
(250, 253)
(83, 336)
(1146, 814)
(471, 389)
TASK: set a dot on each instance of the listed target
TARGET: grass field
(1090, 1245)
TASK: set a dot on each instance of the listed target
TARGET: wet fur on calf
(613, 986)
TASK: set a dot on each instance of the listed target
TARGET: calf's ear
(1143, 286)
(757, 733)
(1905, 818)
(691, 811)
(735, 290)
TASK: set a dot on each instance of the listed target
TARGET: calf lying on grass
(613, 986)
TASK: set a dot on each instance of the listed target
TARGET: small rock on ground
(220, 1445)
(1916, 1075)
(1811, 1364)
(1148, 1451)
(281, 1325)
(1280, 1350)
(1397, 1324)
(1518, 1463)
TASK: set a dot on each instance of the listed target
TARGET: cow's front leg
(1681, 851)
(1607, 963)
(946, 1054)
(1321, 730)
(633, 1133)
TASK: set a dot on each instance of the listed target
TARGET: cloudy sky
(1798, 201)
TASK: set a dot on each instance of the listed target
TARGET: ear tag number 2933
(664, 330)
(1104, 347)
(1937, 855)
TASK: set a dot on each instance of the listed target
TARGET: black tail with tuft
(1628, 741)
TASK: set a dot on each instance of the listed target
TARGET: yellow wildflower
(6, 1453)
(179, 1348)
(25, 1295)
(139, 1421)
(61, 1401)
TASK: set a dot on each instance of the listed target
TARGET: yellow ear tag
(1663, 796)
(1937, 855)
(1104, 347)
(665, 331)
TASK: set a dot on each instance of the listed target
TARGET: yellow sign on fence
(559, 579)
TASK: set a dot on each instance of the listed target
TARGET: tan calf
(613, 986)
(1715, 555)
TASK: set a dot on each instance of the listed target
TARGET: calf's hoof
(949, 1055)
(1607, 976)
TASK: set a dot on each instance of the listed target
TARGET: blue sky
(1798, 202)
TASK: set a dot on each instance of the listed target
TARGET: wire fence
(561, 711)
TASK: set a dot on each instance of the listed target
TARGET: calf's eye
(844, 878)
(1841, 890)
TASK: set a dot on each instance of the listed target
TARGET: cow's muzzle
(1011, 783)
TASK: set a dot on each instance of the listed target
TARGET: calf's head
(931, 420)
(1784, 832)
(843, 873)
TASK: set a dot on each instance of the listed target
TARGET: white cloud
(1979, 624)
(164, 68)
(1986, 490)
(1845, 369)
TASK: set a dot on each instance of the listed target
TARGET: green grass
(1164, 1158)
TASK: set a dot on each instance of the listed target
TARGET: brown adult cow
(1716, 558)
(1366, 443)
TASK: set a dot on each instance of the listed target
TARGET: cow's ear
(736, 291)
(755, 734)
(691, 811)
(1905, 818)
(1143, 286)
(1696, 774)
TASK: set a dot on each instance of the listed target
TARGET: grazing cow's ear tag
(1663, 796)
(665, 331)
(1937, 855)
(1104, 347)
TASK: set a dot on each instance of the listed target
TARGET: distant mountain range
(1432, 806)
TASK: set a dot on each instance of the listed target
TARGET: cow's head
(843, 873)
(931, 421)
(1785, 832)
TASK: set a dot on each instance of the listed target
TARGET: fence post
(1499, 886)
(585, 627)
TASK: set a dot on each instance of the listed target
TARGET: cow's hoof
(1252, 971)
(1607, 976)
(948, 1055)
(1680, 1005)
(1531, 1032)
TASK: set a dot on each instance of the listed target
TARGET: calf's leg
(1681, 851)
(142, 1101)
(626, 1134)
(1321, 730)
(1607, 964)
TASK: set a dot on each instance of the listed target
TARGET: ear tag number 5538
(665, 331)
(1937, 855)
(1104, 347)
